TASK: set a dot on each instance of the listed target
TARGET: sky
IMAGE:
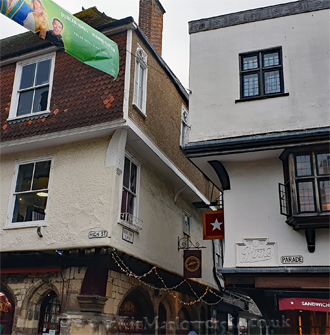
(175, 30)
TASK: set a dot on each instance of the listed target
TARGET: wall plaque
(292, 259)
(98, 234)
(128, 235)
(254, 252)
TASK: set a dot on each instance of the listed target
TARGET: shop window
(32, 87)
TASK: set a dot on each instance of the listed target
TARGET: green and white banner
(56, 25)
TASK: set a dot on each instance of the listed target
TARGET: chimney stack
(151, 22)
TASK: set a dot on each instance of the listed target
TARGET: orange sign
(213, 225)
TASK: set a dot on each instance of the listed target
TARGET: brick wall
(151, 22)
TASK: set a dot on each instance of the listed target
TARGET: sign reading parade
(54, 24)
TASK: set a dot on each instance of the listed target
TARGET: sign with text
(128, 235)
(54, 24)
(98, 234)
(307, 304)
(213, 225)
(192, 264)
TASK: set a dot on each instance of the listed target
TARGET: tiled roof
(81, 96)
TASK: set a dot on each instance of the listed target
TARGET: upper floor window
(129, 202)
(30, 193)
(261, 73)
(186, 223)
(312, 181)
(184, 125)
(140, 80)
(305, 198)
(32, 87)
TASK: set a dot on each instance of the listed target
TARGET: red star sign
(213, 225)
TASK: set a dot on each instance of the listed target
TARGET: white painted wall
(85, 195)
(252, 211)
(215, 85)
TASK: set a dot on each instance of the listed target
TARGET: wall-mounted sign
(256, 252)
(98, 234)
(192, 264)
(213, 225)
(292, 259)
(128, 235)
(307, 304)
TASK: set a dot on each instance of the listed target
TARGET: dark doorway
(49, 314)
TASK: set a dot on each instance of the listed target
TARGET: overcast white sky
(175, 34)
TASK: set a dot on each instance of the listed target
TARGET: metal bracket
(186, 243)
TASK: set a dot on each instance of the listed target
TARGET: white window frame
(184, 228)
(17, 81)
(138, 226)
(184, 125)
(141, 63)
(38, 223)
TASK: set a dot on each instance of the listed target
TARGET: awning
(307, 304)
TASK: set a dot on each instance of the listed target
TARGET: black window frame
(260, 71)
(289, 196)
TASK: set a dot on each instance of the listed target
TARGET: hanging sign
(213, 225)
(192, 264)
(54, 24)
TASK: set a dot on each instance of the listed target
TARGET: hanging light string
(233, 298)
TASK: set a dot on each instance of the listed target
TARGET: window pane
(40, 99)
(29, 207)
(130, 204)
(133, 178)
(27, 78)
(43, 70)
(124, 202)
(324, 187)
(250, 85)
(25, 103)
(126, 173)
(271, 59)
(306, 196)
(24, 177)
(323, 163)
(272, 82)
(303, 166)
(41, 175)
(250, 63)
(141, 81)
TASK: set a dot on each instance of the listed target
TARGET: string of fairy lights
(127, 271)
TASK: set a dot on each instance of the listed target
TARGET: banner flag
(59, 27)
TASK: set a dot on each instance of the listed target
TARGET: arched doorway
(7, 308)
(162, 317)
(50, 310)
(136, 315)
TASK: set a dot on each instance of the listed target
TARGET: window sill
(140, 110)
(313, 220)
(28, 117)
(262, 97)
(30, 224)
